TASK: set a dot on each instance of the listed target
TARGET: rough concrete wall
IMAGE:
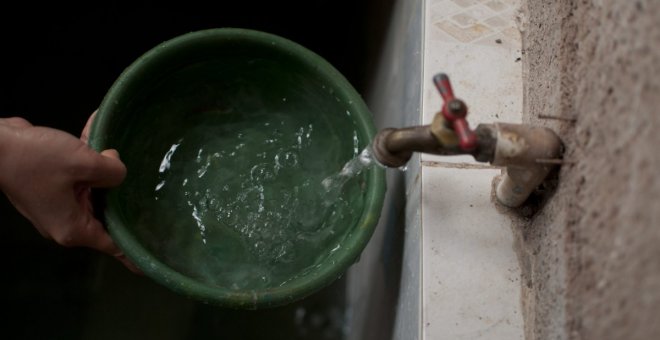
(591, 254)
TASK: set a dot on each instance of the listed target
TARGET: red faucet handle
(441, 81)
(467, 139)
(454, 111)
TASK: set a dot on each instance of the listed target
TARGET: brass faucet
(516, 147)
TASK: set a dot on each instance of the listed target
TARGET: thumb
(107, 170)
(110, 153)
(84, 136)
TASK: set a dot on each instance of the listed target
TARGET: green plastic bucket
(227, 135)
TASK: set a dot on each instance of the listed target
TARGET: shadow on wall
(57, 63)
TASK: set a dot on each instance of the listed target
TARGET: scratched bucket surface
(194, 82)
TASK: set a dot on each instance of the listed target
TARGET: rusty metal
(518, 149)
(381, 150)
(394, 147)
(486, 140)
(449, 134)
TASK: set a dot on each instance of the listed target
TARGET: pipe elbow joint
(521, 149)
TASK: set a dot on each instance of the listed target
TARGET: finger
(84, 136)
(105, 170)
(100, 240)
(112, 153)
(128, 264)
(17, 122)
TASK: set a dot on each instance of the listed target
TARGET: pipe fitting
(521, 149)
(516, 147)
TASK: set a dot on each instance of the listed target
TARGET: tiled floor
(470, 272)
(472, 21)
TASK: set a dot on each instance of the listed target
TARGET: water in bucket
(249, 175)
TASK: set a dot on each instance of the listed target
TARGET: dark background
(57, 61)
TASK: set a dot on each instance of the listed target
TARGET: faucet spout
(449, 134)
(394, 147)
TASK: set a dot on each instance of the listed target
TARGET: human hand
(48, 174)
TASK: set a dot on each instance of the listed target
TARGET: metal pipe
(518, 149)
(394, 147)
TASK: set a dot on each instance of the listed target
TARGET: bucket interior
(229, 143)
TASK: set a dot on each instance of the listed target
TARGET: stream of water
(333, 184)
